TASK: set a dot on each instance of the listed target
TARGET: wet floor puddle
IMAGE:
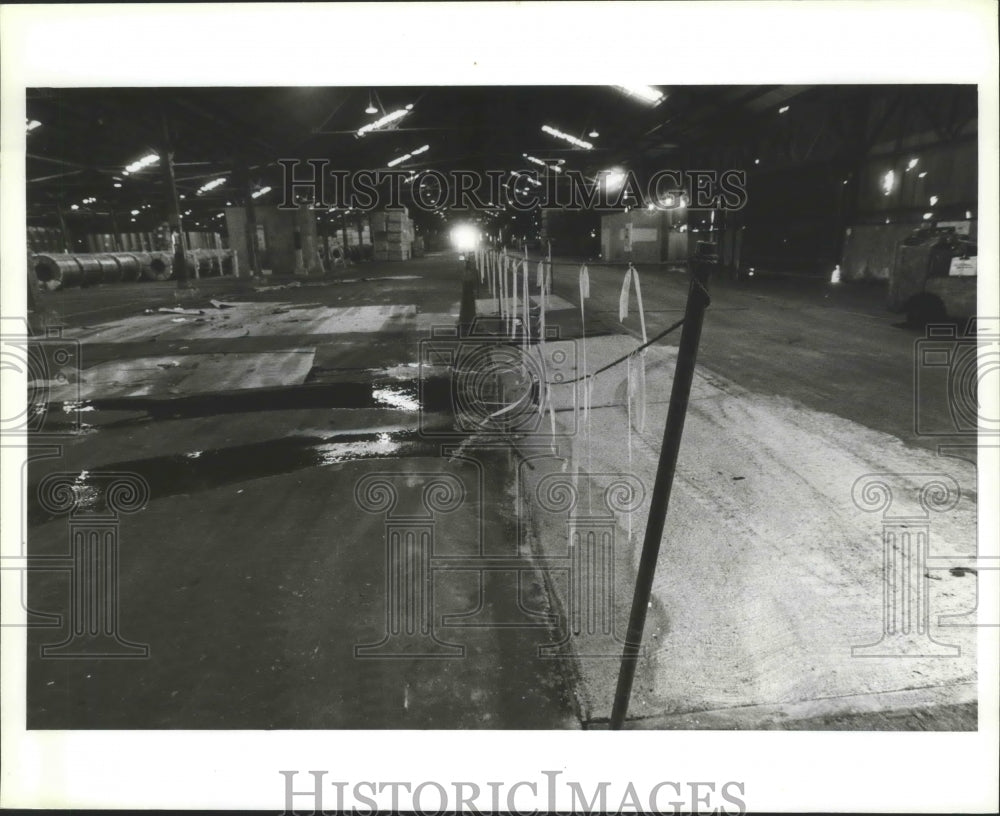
(428, 396)
(197, 471)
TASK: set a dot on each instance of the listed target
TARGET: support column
(116, 235)
(63, 229)
(174, 210)
(253, 260)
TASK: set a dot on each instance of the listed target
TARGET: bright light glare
(566, 137)
(888, 180)
(613, 179)
(260, 192)
(385, 120)
(912, 164)
(465, 237)
(32, 124)
(647, 93)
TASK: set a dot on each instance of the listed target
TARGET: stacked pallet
(392, 235)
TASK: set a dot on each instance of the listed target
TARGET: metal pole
(694, 314)
(243, 176)
(173, 208)
(116, 234)
(67, 241)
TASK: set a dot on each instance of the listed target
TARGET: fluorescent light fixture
(887, 181)
(74, 206)
(912, 164)
(260, 192)
(647, 93)
(388, 119)
(407, 156)
(922, 174)
(593, 134)
(135, 212)
(928, 216)
(566, 137)
(541, 163)
(211, 185)
(32, 124)
(934, 200)
(142, 163)
(784, 109)
(117, 184)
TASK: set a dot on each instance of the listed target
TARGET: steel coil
(55, 271)
(111, 271)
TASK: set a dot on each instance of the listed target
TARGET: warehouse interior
(836, 176)
(269, 366)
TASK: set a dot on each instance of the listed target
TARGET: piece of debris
(218, 304)
(275, 288)
(178, 320)
(179, 310)
(171, 364)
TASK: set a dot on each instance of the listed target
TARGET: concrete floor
(256, 567)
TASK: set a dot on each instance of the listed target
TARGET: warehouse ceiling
(88, 136)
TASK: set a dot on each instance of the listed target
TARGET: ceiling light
(32, 124)
(117, 184)
(647, 93)
(135, 212)
(912, 164)
(783, 109)
(887, 181)
(928, 216)
(922, 174)
(74, 206)
(407, 156)
(566, 137)
(211, 185)
(385, 120)
(934, 200)
(260, 192)
(371, 109)
(142, 163)
(593, 134)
